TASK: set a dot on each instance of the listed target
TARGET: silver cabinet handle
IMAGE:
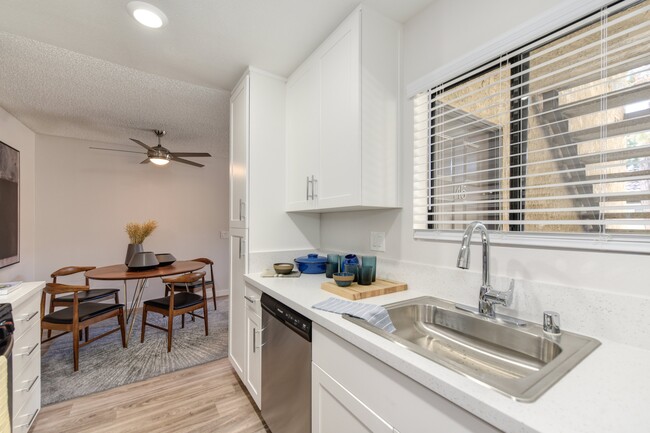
(255, 346)
(29, 352)
(30, 317)
(31, 385)
(307, 184)
(242, 210)
(249, 299)
(31, 420)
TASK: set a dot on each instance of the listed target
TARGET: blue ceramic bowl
(343, 279)
(311, 264)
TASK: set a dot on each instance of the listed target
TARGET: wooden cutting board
(356, 292)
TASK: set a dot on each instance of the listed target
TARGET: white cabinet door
(303, 126)
(237, 320)
(342, 113)
(339, 182)
(239, 139)
(335, 409)
(253, 356)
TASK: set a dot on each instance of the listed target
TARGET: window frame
(539, 27)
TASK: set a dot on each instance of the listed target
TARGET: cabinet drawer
(253, 296)
(27, 383)
(27, 414)
(26, 348)
(26, 314)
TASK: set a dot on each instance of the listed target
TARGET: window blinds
(551, 138)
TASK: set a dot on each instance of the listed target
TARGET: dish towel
(376, 315)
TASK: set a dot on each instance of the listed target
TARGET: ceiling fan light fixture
(146, 14)
(159, 161)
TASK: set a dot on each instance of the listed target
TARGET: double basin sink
(519, 360)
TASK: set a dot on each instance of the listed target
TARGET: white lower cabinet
(354, 392)
(335, 409)
(237, 317)
(26, 354)
(254, 346)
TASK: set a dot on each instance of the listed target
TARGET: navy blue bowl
(311, 264)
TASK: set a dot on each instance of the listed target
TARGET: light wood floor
(207, 398)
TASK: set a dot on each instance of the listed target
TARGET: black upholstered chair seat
(87, 310)
(89, 295)
(181, 300)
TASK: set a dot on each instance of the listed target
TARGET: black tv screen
(9, 205)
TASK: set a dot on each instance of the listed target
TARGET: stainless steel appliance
(286, 368)
(6, 345)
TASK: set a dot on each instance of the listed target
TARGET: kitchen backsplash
(599, 314)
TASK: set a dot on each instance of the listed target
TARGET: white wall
(445, 31)
(85, 197)
(18, 136)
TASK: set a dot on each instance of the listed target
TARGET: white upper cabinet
(342, 116)
(239, 140)
(303, 112)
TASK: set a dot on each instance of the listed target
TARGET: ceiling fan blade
(146, 161)
(117, 150)
(192, 154)
(140, 143)
(185, 161)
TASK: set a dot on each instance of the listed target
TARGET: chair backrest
(207, 262)
(70, 270)
(191, 277)
(54, 289)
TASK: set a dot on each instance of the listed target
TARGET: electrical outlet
(377, 241)
(223, 234)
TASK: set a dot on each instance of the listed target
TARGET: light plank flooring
(207, 398)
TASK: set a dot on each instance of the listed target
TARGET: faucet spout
(463, 254)
(488, 297)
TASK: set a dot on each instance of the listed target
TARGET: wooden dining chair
(197, 285)
(90, 295)
(78, 316)
(177, 304)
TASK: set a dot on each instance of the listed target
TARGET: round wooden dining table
(122, 273)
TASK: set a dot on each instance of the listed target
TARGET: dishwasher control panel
(294, 320)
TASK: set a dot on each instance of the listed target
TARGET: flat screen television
(9, 205)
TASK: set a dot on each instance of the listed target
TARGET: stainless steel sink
(520, 361)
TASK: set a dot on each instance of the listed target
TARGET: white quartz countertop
(609, 391)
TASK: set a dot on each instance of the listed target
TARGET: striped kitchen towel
(376, 315)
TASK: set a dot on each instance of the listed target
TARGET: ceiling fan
(160, 155)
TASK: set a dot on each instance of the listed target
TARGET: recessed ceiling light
(147, 15)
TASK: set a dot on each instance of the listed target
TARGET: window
(552, 139)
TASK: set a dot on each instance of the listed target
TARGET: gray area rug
(105, 364)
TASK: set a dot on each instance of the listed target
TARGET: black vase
(131, 250)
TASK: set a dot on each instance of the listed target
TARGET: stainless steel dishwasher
(286, 368)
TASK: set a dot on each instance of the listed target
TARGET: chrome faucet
(488, 297)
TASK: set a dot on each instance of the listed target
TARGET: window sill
(620, 244)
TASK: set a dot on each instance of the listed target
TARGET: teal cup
(331, 269)
(354, 269)
(365, 276)
(370, 261)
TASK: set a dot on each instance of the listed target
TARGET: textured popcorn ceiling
(58, 92)
(97, 74)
